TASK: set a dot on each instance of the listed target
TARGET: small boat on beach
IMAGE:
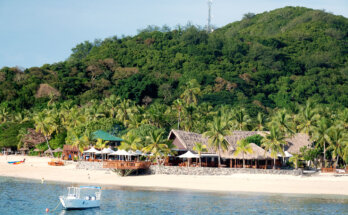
(82, 197)
(16, 162)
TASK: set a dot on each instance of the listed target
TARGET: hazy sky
(34, 32)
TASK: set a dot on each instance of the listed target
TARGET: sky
(36, 32)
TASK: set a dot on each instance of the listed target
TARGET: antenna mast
(209, 27)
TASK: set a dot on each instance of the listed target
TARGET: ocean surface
(19, 196)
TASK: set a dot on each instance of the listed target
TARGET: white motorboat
(82, 197)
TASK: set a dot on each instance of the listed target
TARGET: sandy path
(37, 168)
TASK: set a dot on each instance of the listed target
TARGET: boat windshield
(83, 191)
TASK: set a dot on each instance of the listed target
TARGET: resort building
(185, 141)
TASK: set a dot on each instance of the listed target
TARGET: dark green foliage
(58, 141)
(9, 133)
(254, 139)
(276, 59)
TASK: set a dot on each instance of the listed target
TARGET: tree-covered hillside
(273, 59)
(283, 71)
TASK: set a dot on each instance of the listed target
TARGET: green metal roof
(105, 136)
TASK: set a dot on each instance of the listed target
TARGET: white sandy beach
(37, 168)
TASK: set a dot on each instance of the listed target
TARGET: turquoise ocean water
(19, 196)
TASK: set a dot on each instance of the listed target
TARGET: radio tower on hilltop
(209, 27)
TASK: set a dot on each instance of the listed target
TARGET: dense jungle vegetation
(284, 67)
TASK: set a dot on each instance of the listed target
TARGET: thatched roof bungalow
(185, 141)
(296, 142)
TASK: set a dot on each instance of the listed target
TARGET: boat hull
(78, 203)
(15, 162)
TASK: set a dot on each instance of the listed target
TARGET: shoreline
(36, 168)
(167, 189)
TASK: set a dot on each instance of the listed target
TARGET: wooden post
(231, 163)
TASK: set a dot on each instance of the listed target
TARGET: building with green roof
(113, 140)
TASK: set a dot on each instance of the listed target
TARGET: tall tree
(319, 134)
(157, 144)
(217, 130)
(241, 119)
(192, 90)
(307, 118)
(337, 139)
(45, 125)
(273, 143)
(243, 147)
(199, 148)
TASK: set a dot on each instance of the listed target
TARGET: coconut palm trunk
(200, 160)
(274, 161)
(324, 155)
(243, 161)
(336, 163)
(219, 159)
(179, 120)
(48, 146)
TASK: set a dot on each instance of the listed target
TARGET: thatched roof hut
(296, 142)
(48, 151)
(185, 141)
(239, 135)
(258, 153)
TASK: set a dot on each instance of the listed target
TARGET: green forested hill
(273, 59)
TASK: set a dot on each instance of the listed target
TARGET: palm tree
(111, 105)
(20, 118)
(282, 120)
(217, 130)
(337, 139)
(243, 147)
(260, 122)
(157, 144)
(189, 115)
(343, 118)
(45, 125)
(4, 115)
(191, 92)
(100, 143)
(273, 142)
(178, 106)
(345, 154)
(319, 134)
(81, 143)
(241, 119)
(307, 118)
(295, 159)
(131, 142)
(123, 111)
(199, 148)
(21, 134)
